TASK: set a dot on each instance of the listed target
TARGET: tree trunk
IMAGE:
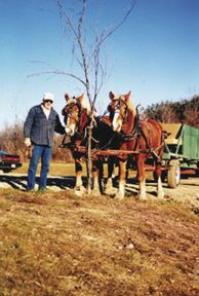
(89, 159)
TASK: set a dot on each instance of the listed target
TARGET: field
(55, 243)
(56, 169)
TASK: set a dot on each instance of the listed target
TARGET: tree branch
(105, 35)
(58, 72)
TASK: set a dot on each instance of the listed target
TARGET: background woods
(12, 141)
(183, 111)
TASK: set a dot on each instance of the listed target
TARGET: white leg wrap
(142, 193)
(160, 189)
(121, 191)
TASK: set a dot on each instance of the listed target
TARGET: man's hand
(27, 142)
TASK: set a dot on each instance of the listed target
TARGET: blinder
(80, 118)
(116, 106)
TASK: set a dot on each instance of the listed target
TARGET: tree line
(185, 111)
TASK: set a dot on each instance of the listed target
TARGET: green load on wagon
(181, 150)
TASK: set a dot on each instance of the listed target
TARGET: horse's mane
(85, 104)
(131, 106)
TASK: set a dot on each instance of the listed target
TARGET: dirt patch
(186, 192)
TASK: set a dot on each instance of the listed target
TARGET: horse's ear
(111, 95)
(84, 102)
(67, 97)
(127, 96)
(80, 98)
(129, 102)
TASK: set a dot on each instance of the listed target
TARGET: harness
(137, 132)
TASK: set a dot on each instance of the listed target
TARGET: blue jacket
(40, 129)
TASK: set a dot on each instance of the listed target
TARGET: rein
(136, 131)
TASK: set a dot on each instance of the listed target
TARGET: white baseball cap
(48, 96)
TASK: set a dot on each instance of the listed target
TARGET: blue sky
(155, 54)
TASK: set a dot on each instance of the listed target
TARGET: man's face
(48, 104)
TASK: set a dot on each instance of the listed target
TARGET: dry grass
(58, 244)
(56, 169)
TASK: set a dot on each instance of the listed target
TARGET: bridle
(116, 108)
(71, 114)
(78, 115)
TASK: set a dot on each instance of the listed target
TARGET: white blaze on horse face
(70, 127)
(117, 121)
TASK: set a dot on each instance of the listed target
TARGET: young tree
(89, 58)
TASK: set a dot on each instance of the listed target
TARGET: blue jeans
(43, 152)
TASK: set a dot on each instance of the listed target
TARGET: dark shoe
(29, 190)
(41, 190)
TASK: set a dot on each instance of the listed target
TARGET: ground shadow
(20, 182)
(13, 181)
(68, 182)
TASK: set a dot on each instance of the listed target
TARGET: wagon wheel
(197, 169)
(173, 178)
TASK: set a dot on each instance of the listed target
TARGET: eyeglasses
(48, 101)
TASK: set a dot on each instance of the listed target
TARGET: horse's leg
(96, 174)
(160, 192)
(79, 188)
(141, 176)
(109, 189)
(122, 180)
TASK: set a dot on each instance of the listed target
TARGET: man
(41, 123)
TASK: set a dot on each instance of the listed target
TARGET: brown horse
(77, 118)
(143, 136)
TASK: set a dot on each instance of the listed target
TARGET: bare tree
(192, 115)
(87, 57)
(167, 113)
(164, 112)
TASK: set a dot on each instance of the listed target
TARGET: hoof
(119, 196)
(79, 190)
(142, 197)
(110, 190)
(160, 195)
(96, 192)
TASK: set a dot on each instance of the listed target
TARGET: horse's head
(119, 107)
(76, 114)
